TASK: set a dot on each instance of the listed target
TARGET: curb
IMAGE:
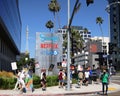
(83, 93)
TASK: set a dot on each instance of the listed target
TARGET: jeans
(103, 87)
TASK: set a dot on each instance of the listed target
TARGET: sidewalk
(52, 91)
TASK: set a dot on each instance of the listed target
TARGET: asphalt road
(115, 79)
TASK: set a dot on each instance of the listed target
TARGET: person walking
(22, 82)
(17, 85)
(105, 81)
(43, 81)
(60, 78)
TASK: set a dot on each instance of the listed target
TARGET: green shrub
(7, 83)
(36, 81)
(52, 80)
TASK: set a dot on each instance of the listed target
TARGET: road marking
(111, 89)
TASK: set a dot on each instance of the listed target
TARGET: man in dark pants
(105, 80)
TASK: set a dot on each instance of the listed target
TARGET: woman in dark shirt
(43, 81)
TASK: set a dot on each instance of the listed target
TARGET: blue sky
(35, 14)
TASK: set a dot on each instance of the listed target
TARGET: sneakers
(33, 89)
(43, 89)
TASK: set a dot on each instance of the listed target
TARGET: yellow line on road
(111, 89)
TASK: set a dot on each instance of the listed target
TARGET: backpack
(80, 75)
(60, 76)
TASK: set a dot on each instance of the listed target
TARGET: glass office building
(10, 33)
(114, 15)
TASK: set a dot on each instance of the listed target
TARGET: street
(115, 79)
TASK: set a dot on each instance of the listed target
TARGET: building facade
(85, 35)
(114, 15)
(92, 54)
(10, 33)
(80, 29)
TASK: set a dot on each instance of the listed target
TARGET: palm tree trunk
(54, 13)
(102, 35)
(58, 20)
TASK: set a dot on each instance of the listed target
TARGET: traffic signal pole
(76, 8)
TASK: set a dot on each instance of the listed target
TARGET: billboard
(48, 49)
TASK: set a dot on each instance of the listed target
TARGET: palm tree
(75, 35)
(55, 8)
(99, 21)
(49, 24)
(78, 39)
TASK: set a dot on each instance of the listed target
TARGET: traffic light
(89, 1)
(74, 49)
(111, 48)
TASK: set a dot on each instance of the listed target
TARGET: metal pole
(76, 7)
(68, 49)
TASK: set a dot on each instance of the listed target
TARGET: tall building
(10, 33)
(105, 43)
(83, 34)
(114, 14)
(93, 53)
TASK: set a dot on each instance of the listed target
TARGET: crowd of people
(84, 77)
(24, 81)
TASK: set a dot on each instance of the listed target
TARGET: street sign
(64, 64)
(14, 66)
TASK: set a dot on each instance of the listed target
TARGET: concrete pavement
(55, 91)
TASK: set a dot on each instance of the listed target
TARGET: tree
(55, 8)
(99, 21)
(75, 38)
(89, 2)
(25, 61)
(49, 24)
